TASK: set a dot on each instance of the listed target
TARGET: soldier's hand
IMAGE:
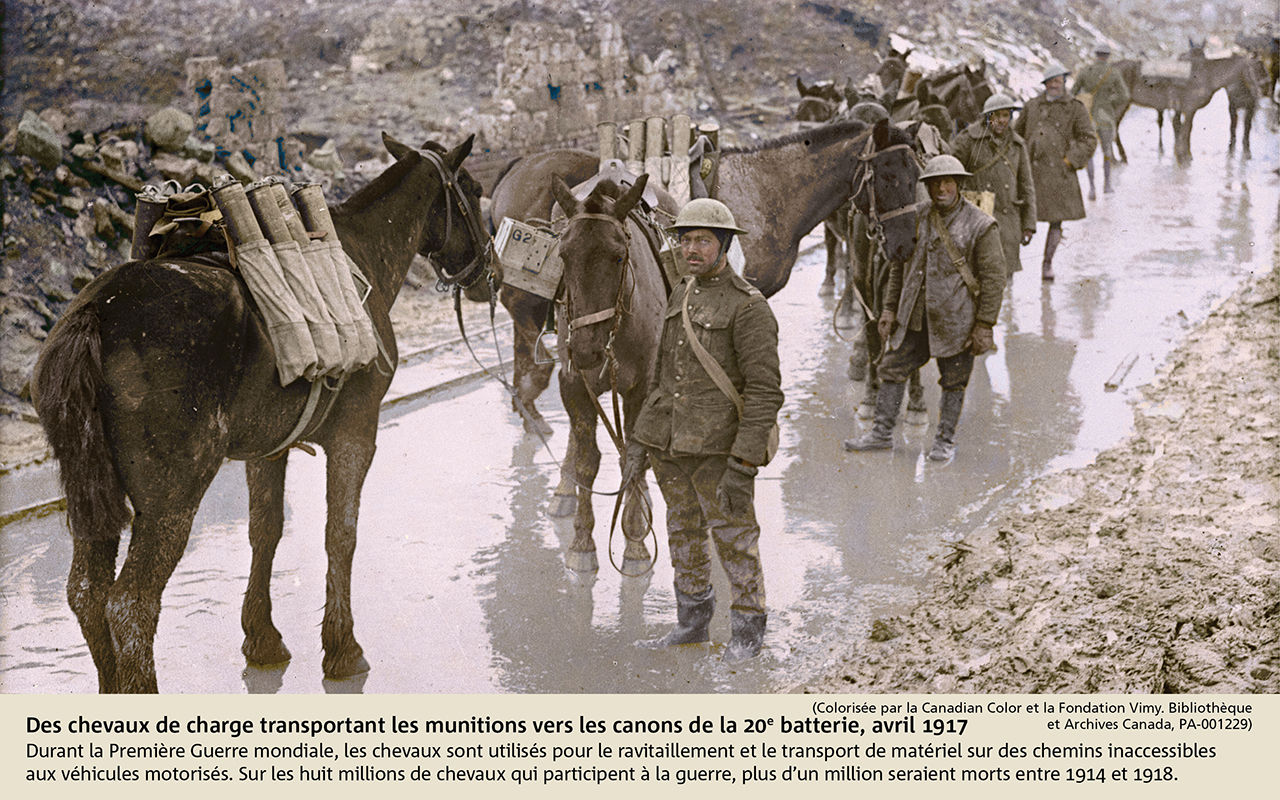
(1026, 236)
(633, 464)
(737, 489)
(981, 339)
(885, 326)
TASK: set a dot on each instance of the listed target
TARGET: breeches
(1106, 140)
(897, 365)
(688, 486)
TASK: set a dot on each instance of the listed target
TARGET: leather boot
(1106, 176)
(944, 444)
(1050, 247)
(880, 437)
(693, 616)
(748, 636)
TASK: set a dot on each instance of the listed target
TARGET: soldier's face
(943, 191)
(999, 120)
(1054, 87)
(700, 248)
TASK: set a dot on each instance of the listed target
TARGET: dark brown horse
(614, 295)
(780, 191)
(1242, 102)
(160, 370)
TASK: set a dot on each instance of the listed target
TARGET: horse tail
(66, 387)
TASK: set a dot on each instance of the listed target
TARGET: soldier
(947, 299)
(1103, 91)
(706, 447)
(1061, 138)
(1001, 164)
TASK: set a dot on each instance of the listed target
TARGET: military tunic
(690, 427)
(1110, 94)
(1001, 165)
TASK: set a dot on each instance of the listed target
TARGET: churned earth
(1152, 570)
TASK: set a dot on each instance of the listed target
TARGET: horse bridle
(867, 156)
(619, 303)
(481, 242)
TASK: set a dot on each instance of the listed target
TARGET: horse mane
(604, 190)
(821, 136)
(390, 178)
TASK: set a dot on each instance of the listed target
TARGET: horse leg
(917, 411)
(93, 569)
(832, 242)
(1231, 114)
(1248, 129)
(1160, 130)
(262, 641)
(349, 458)
(637, 513)
(528, 315)
(159, 537)
(584, 456)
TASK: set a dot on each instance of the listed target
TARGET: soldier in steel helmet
(705, 447)
(947, 300)
(1000, 163)
(1104, 93)
(1061, 138)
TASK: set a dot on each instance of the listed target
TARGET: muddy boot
(693, 616)
(858, 361)
(1050, 247)
(944, 444)
(880, 437)
(748, 636)
(1106, 177)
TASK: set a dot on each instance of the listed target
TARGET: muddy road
(459, 584)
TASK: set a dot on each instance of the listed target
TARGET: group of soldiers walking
(941, 304)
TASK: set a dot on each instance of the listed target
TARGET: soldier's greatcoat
(1001, 165)
(1056, 130)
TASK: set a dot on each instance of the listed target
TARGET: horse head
(457, 243)
(885, 188)
(595, 250)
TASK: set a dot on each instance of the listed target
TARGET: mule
(1243, 94)
(779, 190)
(614, 296)
(161, 369)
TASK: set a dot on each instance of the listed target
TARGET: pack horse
(160, 369)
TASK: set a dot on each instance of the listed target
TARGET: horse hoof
(636, 567)
(580, 561)
(917, 417)
(348, 667)
(563, 505)
(827, 289)
(266, 654)
(538, 426)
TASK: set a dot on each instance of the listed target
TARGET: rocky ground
(1159, 574)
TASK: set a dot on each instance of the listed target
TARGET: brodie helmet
(705, 213)
(942, 166)
(999, 102)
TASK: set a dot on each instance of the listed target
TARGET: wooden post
(654, 139)
(608, 135)
(635, 147)
(678, 183)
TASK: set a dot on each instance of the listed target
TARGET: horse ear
(457, 155)
(880, 133)
(632, 196)
(800, 85)
(396, 149)
(564, 196)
